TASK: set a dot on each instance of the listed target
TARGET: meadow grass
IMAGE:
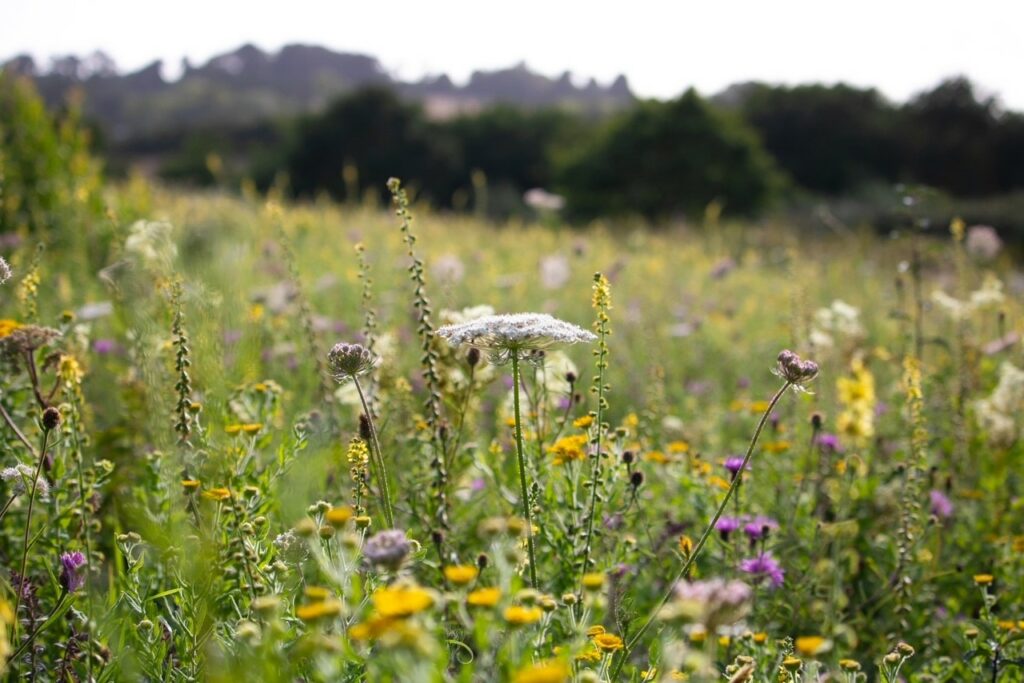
(195, 489)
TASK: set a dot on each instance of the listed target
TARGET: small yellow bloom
(811, 646)
(7, 326)
(590, 655)
(316, 593)
(549, 671)
(719, 482)
(608, 642)
(983, 579)
(483, 597)
(777, 446)
(337, 517)
(401, 601)
(583, 422)
(218, 494)
(595, 630)
(656, 457)
(792, 663)
(760, 638)
(233, 429)
(679, 447)
(190, 484)
(758, 406)
(1007, 624)
(698, 636)
(319, 610)
(849, 664)
(518, 615)
(569, 448)
(461, 574)
(593, 581)
(252, 428)
(685, 545)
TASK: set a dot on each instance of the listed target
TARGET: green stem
(385, 488)
(596, 472)
(28, 526)
(522, 471)
(703, 538)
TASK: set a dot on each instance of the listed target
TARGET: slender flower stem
(522, 471)
(385, 488)
(596, 473)
(28, 526)
(692, 557)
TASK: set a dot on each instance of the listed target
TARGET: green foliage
(670, 158)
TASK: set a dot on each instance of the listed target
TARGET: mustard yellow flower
(218, 494)
(518, 615)
(322, 609)
(811, 646)
(461, 574)
(983, 579)
(401, 601)
(483, 597)
(548, 671)
(583, 422)
(608, 642)
(337, 517)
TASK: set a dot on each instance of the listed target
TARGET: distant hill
(249, 85)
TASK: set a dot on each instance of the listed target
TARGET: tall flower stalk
(511, 339)
(347, 362)
(794, 372)
(425, 330)
(602, 303)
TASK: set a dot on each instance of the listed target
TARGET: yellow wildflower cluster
(569, 448)
(550, 671)
(390, 624)
(857, 394)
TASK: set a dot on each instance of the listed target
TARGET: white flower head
(520, 334)
(5, 271)
(21, 475)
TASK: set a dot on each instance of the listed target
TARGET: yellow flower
(7, 326)
(593, 581)
(549, 671)
(569, 448)
(233, 429)
(319, 610)
(1007, 624)
(760, 638)
(983, 579)
(777, 446)
(583, 422)
(252, 428)
(685, 545)
(608, 642)
(401, 601)
(718, 481)
(679, 447)
(316, 592)
(460, 574)
(758, 406)
(698, 636)
(849, 664)
(484, 597)
(792, 663)
(518, 615)
(810, 646)
(371, 629)
(337, 517)
(590, 655)
(656, 457)
(220, 493)
(69, 370)
(190, 484)
(595, 631)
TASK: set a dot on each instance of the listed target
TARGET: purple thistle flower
(727, 525)
(388, 548)
(942, 506)
(105, 347)
(734, 465)
(70, 578)
(829, 443)
(764, 566)
(758, 528)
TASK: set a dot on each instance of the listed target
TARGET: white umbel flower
(520, 334)
(5, 271)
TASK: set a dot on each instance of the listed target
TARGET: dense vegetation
(237, 443)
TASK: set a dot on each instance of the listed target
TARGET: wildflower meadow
(248, 439)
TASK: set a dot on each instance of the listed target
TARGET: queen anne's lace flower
(520, 334)
(5, 271)
(347, 361)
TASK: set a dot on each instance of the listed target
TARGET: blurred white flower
(151, 243)
(448, 268)
(997, 413)
(450, 317)
(838, 319)
(983, 242)
(554, 271)
(5, 271)
(540, 199)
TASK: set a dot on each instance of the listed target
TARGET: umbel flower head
(347, 361)
(794, 369)
(5, 271)
(520, 334)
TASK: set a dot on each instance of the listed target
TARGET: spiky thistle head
(348, 361)
(522, 334)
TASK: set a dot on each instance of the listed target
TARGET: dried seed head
(794, 369)
(347, 361)
(51, 419)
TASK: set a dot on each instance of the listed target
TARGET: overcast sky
(899, 46)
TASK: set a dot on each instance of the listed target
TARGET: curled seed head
(794, 369)
(347, 361)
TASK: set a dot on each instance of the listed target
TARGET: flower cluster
(518, 333)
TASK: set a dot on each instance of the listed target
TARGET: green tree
(667, 158)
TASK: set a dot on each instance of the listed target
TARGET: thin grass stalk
(28, 526)
(385, 487)
(692, 557)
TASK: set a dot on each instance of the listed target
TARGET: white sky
(899, 46)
